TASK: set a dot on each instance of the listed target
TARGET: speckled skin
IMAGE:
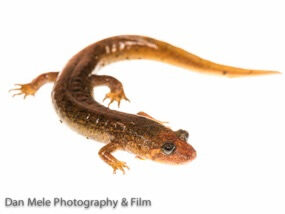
(73, 99)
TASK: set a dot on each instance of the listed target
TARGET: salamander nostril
(193, 155)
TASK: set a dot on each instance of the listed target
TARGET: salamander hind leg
(105, 154)
(32, 87)
(116, 88)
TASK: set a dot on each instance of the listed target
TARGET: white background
(236, 125)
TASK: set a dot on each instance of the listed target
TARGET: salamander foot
(25, 89)
(119, 166)
(116, 96)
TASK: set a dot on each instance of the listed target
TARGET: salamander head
(172, 148)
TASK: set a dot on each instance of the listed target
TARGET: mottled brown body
(142, 135)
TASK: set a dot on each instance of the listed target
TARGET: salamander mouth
(185, 158)
(192, 156)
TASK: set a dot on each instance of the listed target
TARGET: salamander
(141, 134)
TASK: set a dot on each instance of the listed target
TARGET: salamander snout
(184, 152)
(174, 151)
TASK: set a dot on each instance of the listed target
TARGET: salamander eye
(168, 148)
(182, 134)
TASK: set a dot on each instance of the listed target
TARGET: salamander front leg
(32, 87)
(141, 113)
(116, 88)
(105, 154)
